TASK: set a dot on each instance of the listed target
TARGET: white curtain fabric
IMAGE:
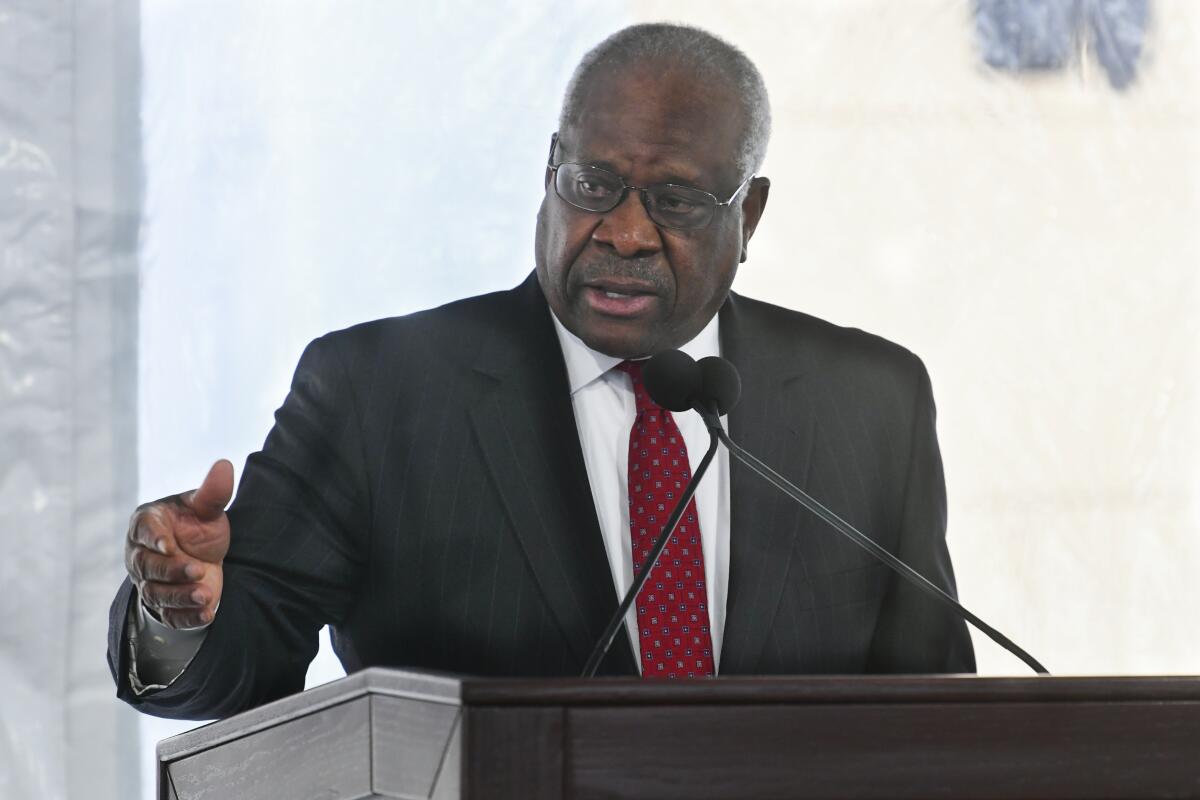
(69, 203)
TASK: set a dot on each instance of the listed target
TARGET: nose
(628, 229)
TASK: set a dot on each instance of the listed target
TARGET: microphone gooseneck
(676, 382)
(868, 544)
(614, 624)
(719, 389)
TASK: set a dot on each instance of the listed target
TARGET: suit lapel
(773, 421)
(526, 429)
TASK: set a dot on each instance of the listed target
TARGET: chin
(618, 348)
(617, 344)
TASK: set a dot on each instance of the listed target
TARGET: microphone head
(672, 379)
(720, 384)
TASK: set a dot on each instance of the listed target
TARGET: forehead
(658, 123)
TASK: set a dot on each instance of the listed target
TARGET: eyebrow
(675, 178)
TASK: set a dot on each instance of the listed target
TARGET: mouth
(618, 298)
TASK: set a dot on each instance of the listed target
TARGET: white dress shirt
(604, 412)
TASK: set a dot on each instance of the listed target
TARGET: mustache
(598, 266)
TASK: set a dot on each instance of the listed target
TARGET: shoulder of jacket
(829, 345)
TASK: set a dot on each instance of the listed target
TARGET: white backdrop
(1032, 234)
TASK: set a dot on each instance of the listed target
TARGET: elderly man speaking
(470, 488)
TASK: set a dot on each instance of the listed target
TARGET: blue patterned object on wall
(1024, 35)
(1117, 28)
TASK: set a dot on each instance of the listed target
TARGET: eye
(675, 203)
(591, 184)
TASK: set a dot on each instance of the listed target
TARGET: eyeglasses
(598, 190)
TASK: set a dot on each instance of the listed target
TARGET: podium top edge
(427, 686)
(836, 689)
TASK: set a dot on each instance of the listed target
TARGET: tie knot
(634, 370)
(631, 368)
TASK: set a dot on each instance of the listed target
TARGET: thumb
(208, 502)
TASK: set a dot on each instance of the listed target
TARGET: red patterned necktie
(672, 607)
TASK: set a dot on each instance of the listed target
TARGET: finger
(146, 565)
(163, 596)
(185, 618)
(209, 500)
(206, 541)
(153, 526)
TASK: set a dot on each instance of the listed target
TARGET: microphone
(674, 381)
(720, 385)
(718, 391)
(678, 383)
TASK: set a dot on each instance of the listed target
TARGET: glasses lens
(671, 206)
(587, 187)
(680, 206)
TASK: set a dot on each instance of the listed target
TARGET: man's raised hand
(175, 548)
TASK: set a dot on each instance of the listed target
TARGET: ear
(752, 209)
(550, 160)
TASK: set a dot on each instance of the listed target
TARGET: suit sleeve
(297, 541)
(915, 633)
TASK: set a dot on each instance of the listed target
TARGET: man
(467, 488)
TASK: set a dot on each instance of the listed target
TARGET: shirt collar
(585, 365)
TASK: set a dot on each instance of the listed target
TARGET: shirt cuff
(158, 654)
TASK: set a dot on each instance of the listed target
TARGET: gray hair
(695, 50)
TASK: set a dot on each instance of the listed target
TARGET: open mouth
(618, 301)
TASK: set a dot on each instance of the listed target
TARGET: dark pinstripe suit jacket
(423, 490)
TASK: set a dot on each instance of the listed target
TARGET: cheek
(548, 247)
(704, 272)
(561, 238)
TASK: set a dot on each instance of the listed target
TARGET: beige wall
(1035, 240)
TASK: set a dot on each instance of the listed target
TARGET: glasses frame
(642, 190)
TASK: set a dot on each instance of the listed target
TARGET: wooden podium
(392, 734)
